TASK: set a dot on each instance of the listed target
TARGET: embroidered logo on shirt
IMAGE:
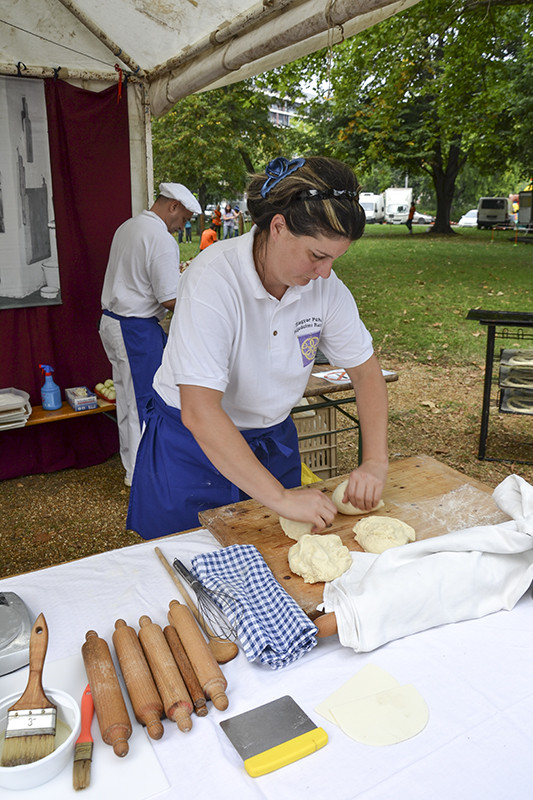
(308, 347)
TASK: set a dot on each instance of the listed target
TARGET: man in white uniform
(139, 289)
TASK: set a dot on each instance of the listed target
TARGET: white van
(494, 211)
(374, 207)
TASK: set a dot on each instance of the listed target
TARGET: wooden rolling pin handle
(111, 711)
(180, 713)
(176, 700)
(208, 672)
(187, 672)
(142, 690)
(215, 689)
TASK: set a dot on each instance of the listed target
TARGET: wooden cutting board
(431, 497)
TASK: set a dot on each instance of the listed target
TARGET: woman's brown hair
(315, 195)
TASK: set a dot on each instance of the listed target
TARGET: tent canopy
(175, 47)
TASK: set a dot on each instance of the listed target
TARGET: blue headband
(278, 169)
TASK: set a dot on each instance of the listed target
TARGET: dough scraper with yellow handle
(273, 735)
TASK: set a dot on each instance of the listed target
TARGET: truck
(397, 202)
(525, 209)
(374, 207)
(494, 211)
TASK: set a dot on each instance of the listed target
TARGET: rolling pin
(176, 700)
(208, 672)
(187, 673)
(141, 688)
(111, 711)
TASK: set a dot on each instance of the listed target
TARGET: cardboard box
(81, 398)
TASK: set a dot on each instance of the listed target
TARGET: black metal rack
(503, 325)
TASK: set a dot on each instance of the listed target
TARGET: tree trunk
(202, 199)
(247, 161)
(444, 178)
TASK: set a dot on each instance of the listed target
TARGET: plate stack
(15, 408)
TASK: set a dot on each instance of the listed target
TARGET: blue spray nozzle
(46, 368)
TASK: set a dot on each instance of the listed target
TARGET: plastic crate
(317, 438)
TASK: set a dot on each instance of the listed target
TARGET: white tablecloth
(475, 676)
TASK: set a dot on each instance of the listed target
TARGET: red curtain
(90, 161)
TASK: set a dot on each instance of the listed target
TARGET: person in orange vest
(217, 220)
(209, 236)
(410, 217)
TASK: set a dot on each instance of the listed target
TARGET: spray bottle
(50, 392)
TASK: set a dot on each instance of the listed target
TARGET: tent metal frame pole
(326, 17)
(238, 26)
(63, 73)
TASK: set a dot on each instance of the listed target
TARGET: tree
(211, 141)
(523, 107)
(427, 90)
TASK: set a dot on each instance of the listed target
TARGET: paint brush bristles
(31, 721)
(81, 773)
(21, 747)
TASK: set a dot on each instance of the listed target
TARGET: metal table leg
(489, 361)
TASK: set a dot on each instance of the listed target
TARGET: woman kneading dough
(250, 314)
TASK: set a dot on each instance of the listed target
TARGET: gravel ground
(60, 516)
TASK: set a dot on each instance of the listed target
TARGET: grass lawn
(413, 292)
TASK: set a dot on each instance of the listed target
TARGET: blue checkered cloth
(269, 623)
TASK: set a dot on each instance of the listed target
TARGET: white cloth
(228, 333)
(475, 677)
(458, 576)
(143, 268)
(129, 427)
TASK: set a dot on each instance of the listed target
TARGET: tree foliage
(429, 90)
(211, 141)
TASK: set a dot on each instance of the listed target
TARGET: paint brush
(83, 752)
(31, 721)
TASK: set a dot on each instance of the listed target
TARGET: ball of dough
(319, 557)
(348, 508)
(376, 534)
(294, 529)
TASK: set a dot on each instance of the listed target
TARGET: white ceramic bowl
(27, 776)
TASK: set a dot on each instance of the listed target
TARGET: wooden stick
(222, 649)
(187, 672)
(209, 674)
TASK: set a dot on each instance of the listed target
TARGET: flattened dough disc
(388, 717)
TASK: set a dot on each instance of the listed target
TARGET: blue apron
(145, 341)
(174, 480)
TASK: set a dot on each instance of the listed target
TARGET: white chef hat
(177, 191)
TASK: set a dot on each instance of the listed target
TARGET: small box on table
(81, 398)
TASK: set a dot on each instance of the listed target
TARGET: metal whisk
(208, 609)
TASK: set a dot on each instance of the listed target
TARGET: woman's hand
(226, 448)
(307, 505)
(366, 484)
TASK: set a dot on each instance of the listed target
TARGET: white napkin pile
(461, 575)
